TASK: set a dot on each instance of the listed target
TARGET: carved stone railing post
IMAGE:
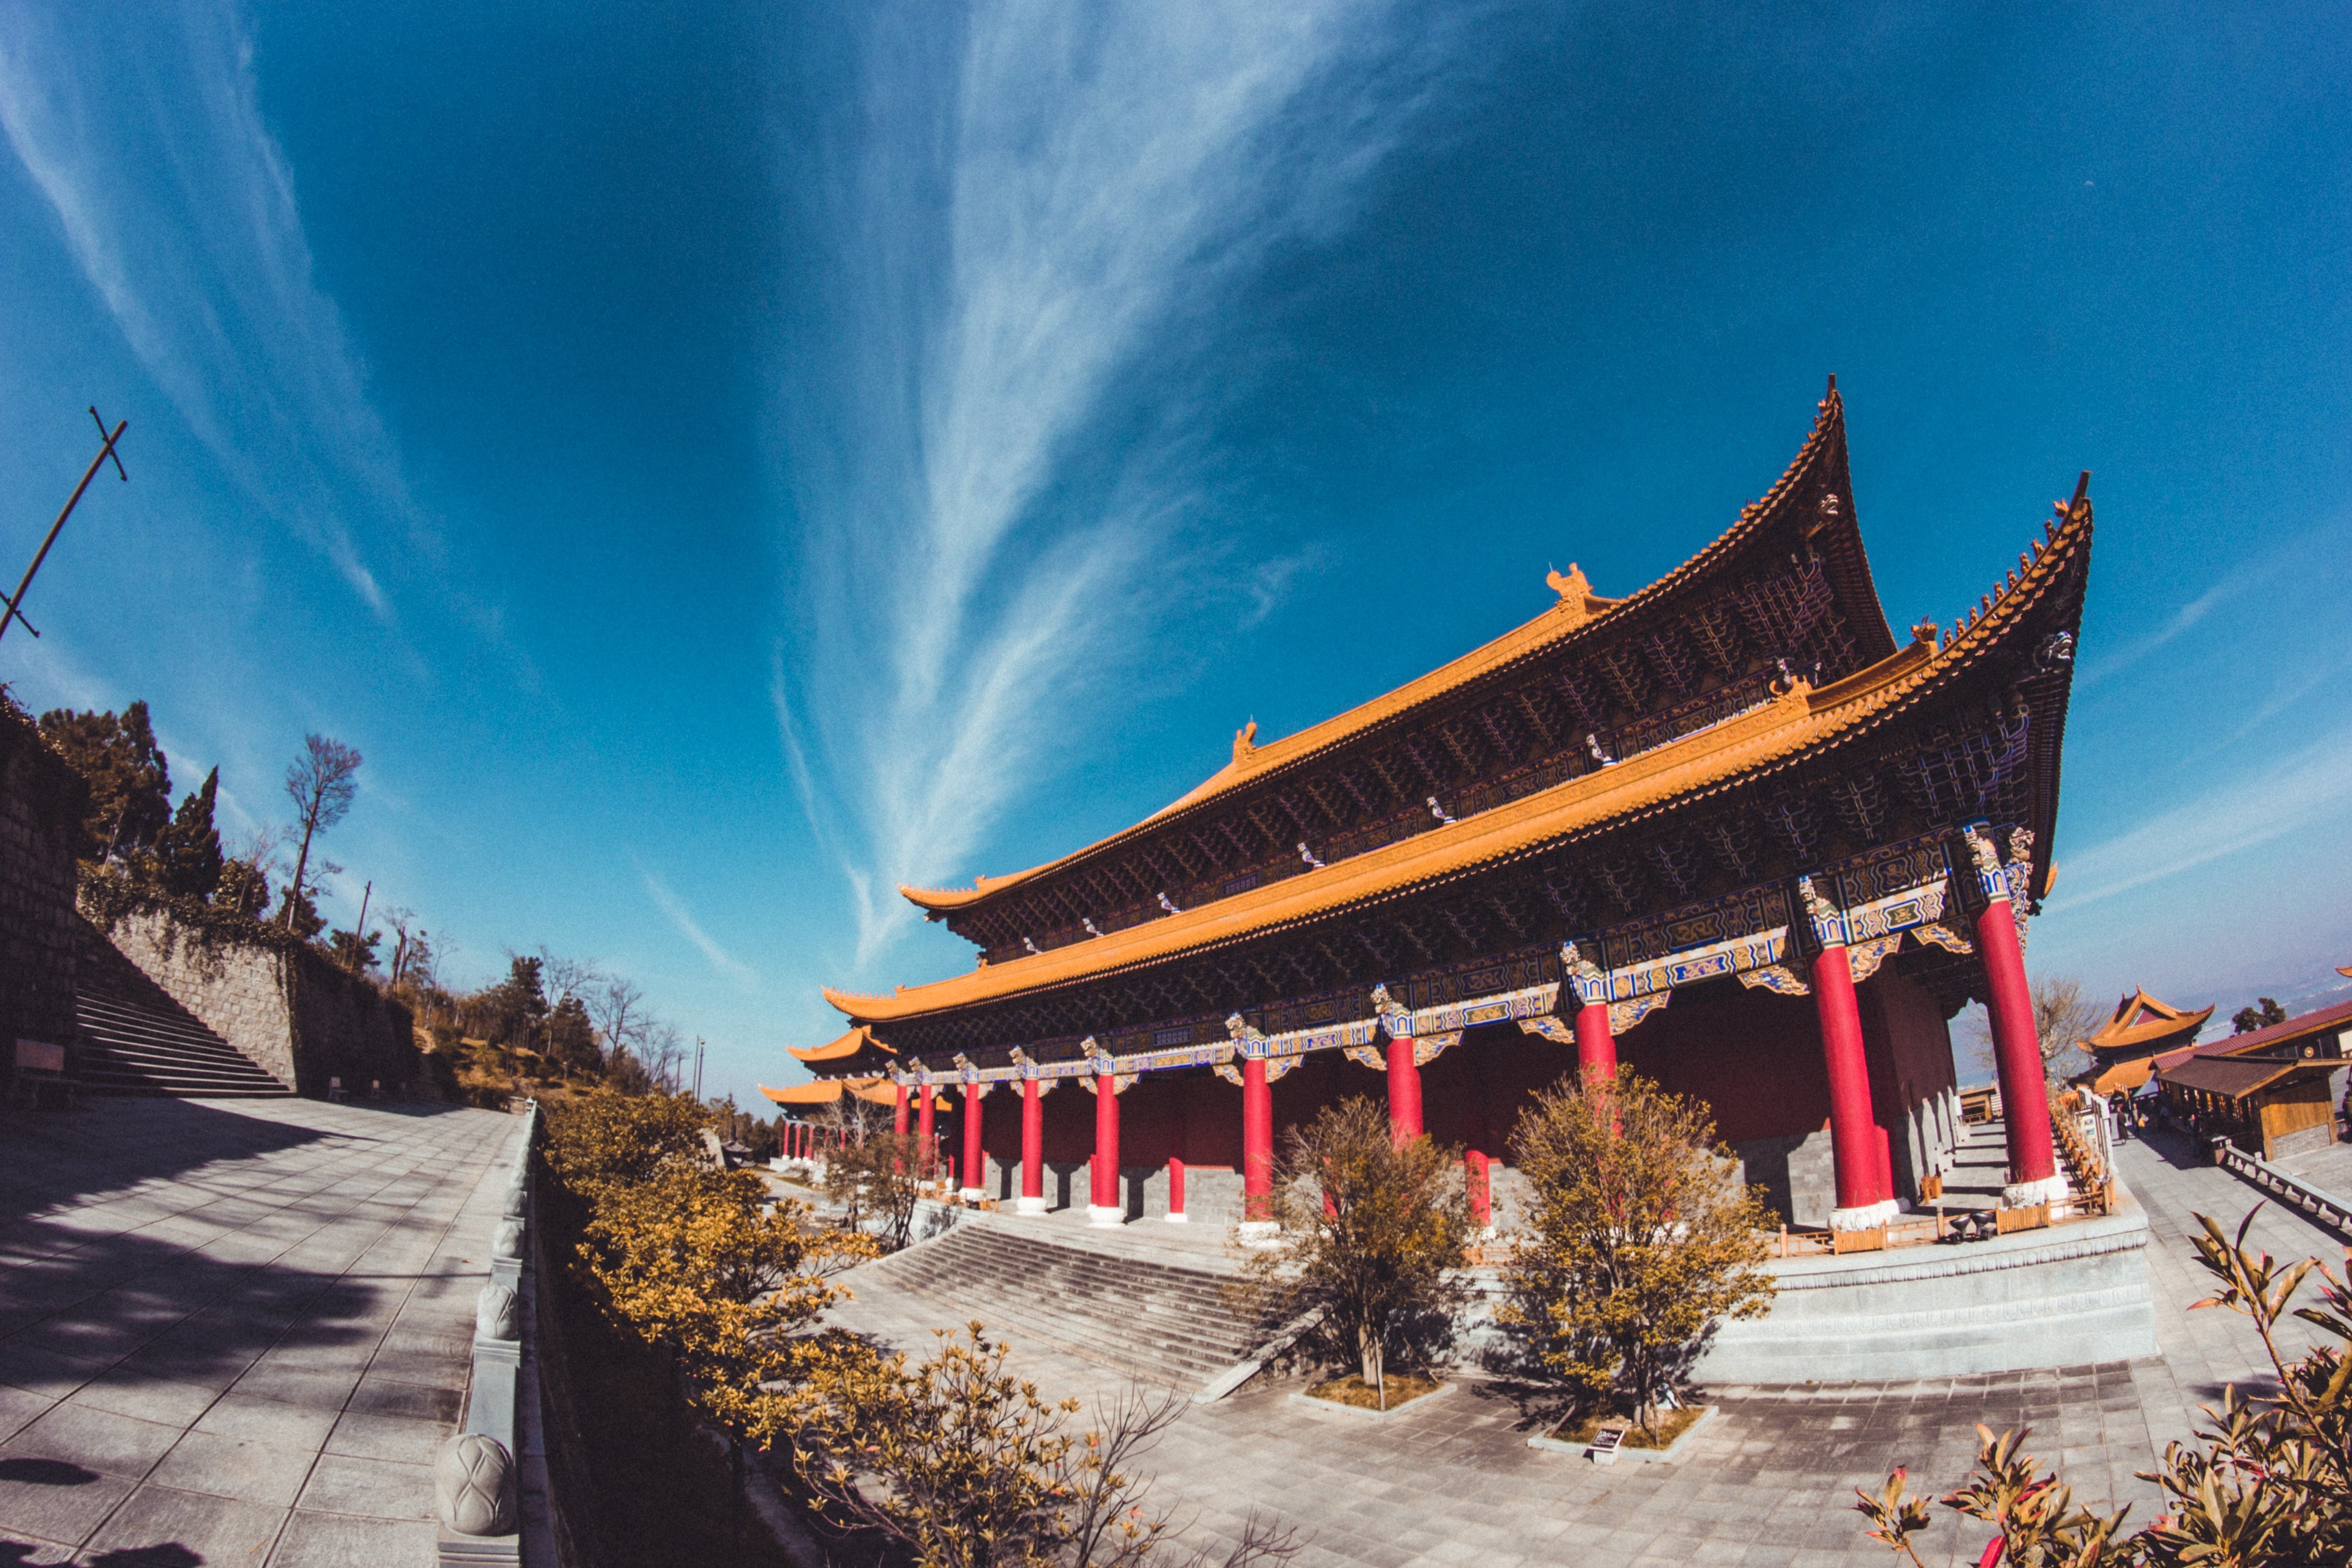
(476, 1479)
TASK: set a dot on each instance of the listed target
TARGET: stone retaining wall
(41, 806)
(291, 1013)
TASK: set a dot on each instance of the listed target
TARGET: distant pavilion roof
(829, 1091)
(839, 1050)
(2125, 1049)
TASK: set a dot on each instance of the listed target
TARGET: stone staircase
(136, 1040)
(1163, 1322)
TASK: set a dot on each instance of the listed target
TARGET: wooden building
(2272, 1092)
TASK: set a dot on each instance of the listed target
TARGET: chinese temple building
(1726, 831)
(2124, 1050)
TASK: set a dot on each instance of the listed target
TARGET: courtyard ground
(1769, 1484)
(235, 1331)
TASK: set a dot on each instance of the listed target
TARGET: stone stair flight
(135, 1039)
(1162, 1323)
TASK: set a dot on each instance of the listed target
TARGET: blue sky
(717, 462)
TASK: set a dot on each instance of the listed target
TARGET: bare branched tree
(665, 1054)
(618, 1010)
(569, 977)
(321, 782)
(2063, 1019)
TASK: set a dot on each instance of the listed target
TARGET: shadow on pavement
(109, 1144)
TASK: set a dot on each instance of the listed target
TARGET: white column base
(1869, 1217)
(1179, 1217)
(1029, 1206)
(1108, 1217)
(1258, 1232)
(2025, 1195)
(970, 1194)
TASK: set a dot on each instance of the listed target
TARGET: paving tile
(249, 1471)
(125, 1391)
(342, 1540)
(45, 1371)
(110, 1444)
(211, 1531)
(321, 1389)
(363, 1435)
(31, 1552)
(19, 1408)
(53, 1499)
(269, 1421)
(376, 1488)
(384, 1396)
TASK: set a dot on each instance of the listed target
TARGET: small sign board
(1602, 1450)
(40, 1055)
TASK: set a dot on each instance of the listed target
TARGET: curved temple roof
(1800, 721)
(1579, 613)
(839, 1050)
(827, 1091)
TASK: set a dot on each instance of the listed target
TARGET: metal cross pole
(15, 605)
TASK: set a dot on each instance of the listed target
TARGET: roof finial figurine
(1245, 742)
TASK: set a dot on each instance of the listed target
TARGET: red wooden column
(1596, 1044)
(898, 1111)
(1176, 1215)
(1865, 1188)
(1104, 1207)
(926, 1137)
(1404, 1090)
(1257, 1151)
(2033, 1175)
(1596, 1047)
(975, 1167)
(1032, 1148)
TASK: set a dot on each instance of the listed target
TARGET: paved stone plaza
(235, 1331)
(1770, 1483)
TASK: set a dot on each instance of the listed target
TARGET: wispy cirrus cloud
(1033, 217)
(2282, 795)
(175, 203)
(674, 909)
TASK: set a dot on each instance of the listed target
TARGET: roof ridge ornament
(1244, 743)
(1576, 594)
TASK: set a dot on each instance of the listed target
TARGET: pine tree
(189, 855)
(572, 1038)
(129, 779)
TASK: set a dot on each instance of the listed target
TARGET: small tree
(2248, 1020)
(1373, 1232)
(877, 1184)
(1639, 1239)
(321, 782)
(965, 1466)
